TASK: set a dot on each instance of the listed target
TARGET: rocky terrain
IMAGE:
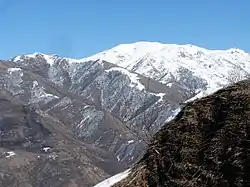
(38, 150)
(116, 100)
(207, 144)
(96, 120)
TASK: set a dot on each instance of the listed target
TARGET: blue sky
(79, 28)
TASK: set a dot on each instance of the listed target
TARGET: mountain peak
(162, 61)
(34, 55)
(134, 51)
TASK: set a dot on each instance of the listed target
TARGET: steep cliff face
(207, 144)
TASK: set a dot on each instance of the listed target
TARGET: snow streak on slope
(204, 93)
(132, 76)
(114, 179)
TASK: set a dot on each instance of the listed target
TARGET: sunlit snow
(112, 180)
(132, 76)
(10, 154)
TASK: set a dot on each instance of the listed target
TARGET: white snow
(17, 58)
(154, 60)
(204, 93)
(163, 62)
(11, 70)
(10, 154)
(112, 180)
(157, 60)
(14, 80)
(176, 111)
(169, 84)
(161, 95)
(50, 59)
(132, 76)
(38, 94)
(46, 149)
(35, 84)
(131, 141)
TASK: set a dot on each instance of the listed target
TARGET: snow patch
(161, 95)
(50, 59)
(112, 180)
(38, 94)
(14, 80)
(46, 149)
(17, 58)
(11, 70)
(169, 84)
(133, 77)
(10, 154)
(210, 90)
(131, 141)
(176, 111)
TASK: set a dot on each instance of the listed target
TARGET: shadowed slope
(207, 144)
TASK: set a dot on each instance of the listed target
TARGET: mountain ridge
(115, 108)
(162, 62)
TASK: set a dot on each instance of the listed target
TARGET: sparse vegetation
(207, 144)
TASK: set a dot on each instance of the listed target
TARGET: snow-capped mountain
(117, 99)
(163, 62)
(102, 105)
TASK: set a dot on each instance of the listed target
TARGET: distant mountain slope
(99, 104)
(113, 91)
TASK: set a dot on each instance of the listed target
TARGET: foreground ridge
(207, 144)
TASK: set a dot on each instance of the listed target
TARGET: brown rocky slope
(206, 145)
(37, 150)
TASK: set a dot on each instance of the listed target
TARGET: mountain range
(109, 105)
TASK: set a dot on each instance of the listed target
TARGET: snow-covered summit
(133, 51)
(164, 61)
(170, 63)
(49, 58)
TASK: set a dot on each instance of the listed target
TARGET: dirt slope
(207, 144)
